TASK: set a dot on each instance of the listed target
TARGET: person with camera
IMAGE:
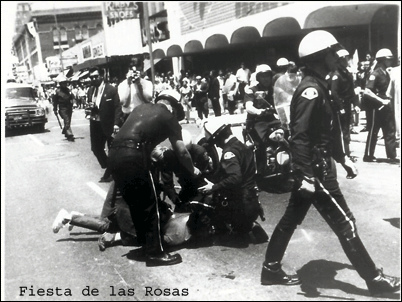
(316, 144)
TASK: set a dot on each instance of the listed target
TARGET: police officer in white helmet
(380, 109)
(315, 144)
(234, 186)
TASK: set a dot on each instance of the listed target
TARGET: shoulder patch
(310, 93)
(335, 77)
(372, 77)
(228, 155)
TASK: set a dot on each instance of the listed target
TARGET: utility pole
(148, 33)
(58, 30)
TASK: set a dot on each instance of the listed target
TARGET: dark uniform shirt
(312, 124)
(237, 169)
(378, 82)
(342, 89)
(149, 123)
(262, 99)
(63, 98)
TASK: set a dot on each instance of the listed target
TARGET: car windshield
(20, 92)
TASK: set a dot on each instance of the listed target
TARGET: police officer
(380, 111)
(129, 160)
(259, 103)
(344, 96)
(235, 184)
(315, 143)
(63, 101)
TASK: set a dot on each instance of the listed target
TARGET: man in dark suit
(106, 117)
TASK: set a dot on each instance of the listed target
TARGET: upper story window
(99, 28)
(85, 33)
(78, 33)
(62, 33)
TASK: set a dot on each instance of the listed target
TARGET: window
(99, 28)
(78, 34)
(63, 35)
(85, 34)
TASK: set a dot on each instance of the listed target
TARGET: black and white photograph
(200, 151)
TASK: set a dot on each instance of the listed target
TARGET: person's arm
(335, 88)
(184, 156)
(118, 113)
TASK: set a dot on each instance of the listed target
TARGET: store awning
(90, 63)
(285, 26)
(75, 76)
(349, 15)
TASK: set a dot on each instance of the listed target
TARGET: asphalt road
(43, 172)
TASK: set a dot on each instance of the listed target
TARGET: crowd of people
(133, 122)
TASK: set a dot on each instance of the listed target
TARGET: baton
(57, 116)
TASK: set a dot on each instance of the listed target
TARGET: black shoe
(393, 160)
(270, 276)
(369, 159)
(383, 284)
(71, 138)
(106, 178)
(163, 259)
(258, 233)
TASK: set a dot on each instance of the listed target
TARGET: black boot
(383, 284)
(163, 259)
(258, 233)
(274, 274)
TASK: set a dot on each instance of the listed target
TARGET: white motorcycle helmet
(343, 53)
(316, 42)
(214, 129)
(174, 99)
(384, 53)
(282, 62)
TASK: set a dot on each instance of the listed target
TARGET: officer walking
(380, 110)
(315, 145)
(344, 96)
(235, 186)
(63, 100)
(130, 162)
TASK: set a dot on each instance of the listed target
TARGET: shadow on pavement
(395, 222)
(79, 239)
(321, 274)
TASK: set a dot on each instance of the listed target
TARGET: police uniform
(315, 137)
(236, 187)
(129, 160)
(261, 126)
(379, 116)
(63, 99)
(343, 96)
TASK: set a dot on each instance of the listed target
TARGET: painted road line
(97, 189)
(306, 235)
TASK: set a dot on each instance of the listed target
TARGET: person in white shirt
(134, 91)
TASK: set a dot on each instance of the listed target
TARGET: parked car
(22, 108)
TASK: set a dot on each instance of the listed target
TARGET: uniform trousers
(130, 170)
(66, 113)
(381, 118)
(238, 208)
(98, 142)
(330, 203)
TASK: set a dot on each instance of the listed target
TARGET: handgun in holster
(320, 163)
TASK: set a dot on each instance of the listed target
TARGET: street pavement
(44, 173)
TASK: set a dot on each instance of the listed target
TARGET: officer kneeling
(234, 190)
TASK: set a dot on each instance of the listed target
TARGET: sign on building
(117, 11)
